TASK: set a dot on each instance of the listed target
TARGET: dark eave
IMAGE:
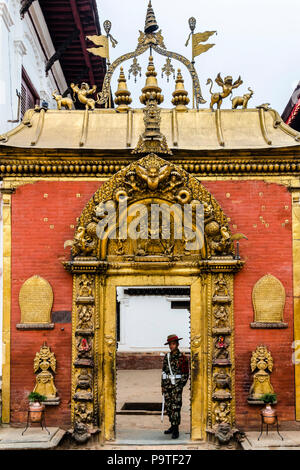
(291, 113)
(62, 18)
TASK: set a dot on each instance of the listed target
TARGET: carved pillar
(221, 387)
(84, 410)
(87, 349)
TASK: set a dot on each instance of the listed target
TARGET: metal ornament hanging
(168, 70)
(135, 69)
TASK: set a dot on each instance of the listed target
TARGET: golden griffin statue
(227, 85)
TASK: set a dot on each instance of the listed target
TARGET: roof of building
(106, 129)
(63, 18)
(291, 114)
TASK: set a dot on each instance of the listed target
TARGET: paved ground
(272, 441)
(33, 438)
(145, 386)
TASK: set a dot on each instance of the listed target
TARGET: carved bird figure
(238, 236)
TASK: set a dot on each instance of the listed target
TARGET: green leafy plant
(269, 398)
(33, 396)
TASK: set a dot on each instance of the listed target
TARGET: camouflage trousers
(173, 404)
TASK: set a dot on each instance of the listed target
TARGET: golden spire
(150, 23)
(151, 89)
(180, 95)
(122, 94)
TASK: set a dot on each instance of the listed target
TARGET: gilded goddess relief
(44, 366)
(262, 364)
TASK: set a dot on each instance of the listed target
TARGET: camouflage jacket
(179, 365)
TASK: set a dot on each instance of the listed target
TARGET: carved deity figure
(221, 316)
(174, 181)
(85, 315)
(131, 182)
(222, 384)
(81, 434)
(84, 381)
(261, 361)
(45, 362)
(221, 289)
(221, 349)
(222, 412)
(224, 433)
(84, 347)
(85, 286)
(82, 413)
(153, 175)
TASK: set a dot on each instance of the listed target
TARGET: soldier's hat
(172, 338)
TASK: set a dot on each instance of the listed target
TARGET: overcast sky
(257, 39)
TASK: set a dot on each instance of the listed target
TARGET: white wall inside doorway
(147, 320)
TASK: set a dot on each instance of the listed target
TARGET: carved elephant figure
(66, 102)
(242, 100)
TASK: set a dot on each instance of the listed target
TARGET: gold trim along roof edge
(194, 130)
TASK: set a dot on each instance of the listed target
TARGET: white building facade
(26, 46)
(146, 319)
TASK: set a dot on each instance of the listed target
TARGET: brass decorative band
(100, 167)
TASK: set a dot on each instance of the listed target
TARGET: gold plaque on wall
(268, 298)
(36, 299)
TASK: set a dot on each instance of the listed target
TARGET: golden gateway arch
(98, 266)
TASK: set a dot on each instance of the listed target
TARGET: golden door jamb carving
(198, 374)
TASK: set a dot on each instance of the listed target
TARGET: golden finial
(122, 94)
(151, 88)
(150, 23)
(180, 95)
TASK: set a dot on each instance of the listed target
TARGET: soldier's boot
(175, 432)
(169, 431)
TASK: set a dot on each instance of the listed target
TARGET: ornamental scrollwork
(150, 177)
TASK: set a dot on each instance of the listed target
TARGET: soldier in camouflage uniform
(172, 386)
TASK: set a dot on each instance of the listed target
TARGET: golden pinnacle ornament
(151, 38)
(150, 23)
(151, 89)
(122, 99)
(180, 95)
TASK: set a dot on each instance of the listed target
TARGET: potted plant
(268, 413)
(36, 406)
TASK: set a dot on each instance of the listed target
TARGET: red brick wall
(139, 361)
(38, 249)
(268, 250)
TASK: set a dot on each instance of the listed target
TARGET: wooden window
(29, 95)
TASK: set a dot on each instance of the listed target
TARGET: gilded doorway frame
(99, 265)
(94, 406)
(107, 342)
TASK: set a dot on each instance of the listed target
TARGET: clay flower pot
(35, 411)
(269, 414)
